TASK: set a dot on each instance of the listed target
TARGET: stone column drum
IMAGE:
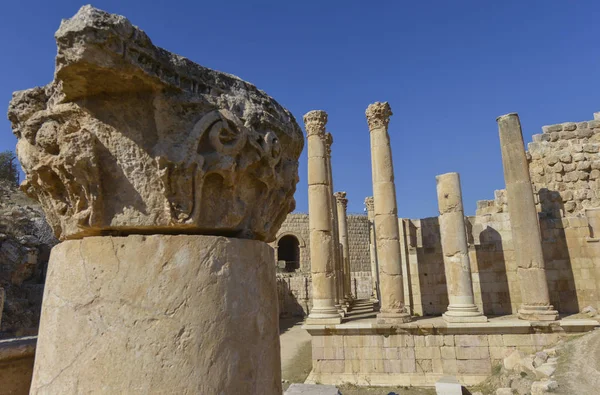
(342, 204)
(386, 217)
(322, 260)
(164, 180)
(338, 267)
(159, 314)
(524, 223)
(457, 265)
(369, 205)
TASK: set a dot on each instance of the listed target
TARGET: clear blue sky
(448, 69)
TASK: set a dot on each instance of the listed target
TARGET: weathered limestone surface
(338, 264)
(386, 216)
(320, 223)
(457, 265)
(524, 223)
(564, 166)
(183, 314)
(342, 204)
(16, 365)
(130, 138)
(370, 206)
(296, 224)
(422, 352)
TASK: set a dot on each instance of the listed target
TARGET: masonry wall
(295, 291)
(358, 239)
(565, 172)
(296, 224)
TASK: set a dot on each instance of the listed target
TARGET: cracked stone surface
(159, 314)
(130, 138)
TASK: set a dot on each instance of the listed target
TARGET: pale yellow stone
(342, 203)
(322, 243)
(392, 309)
(132, 138)
(427, 353)
(159, 314)
(472, 353)
(448, 352)
(457, 265)
(526, 235)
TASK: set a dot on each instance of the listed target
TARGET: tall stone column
(164, 202)
(342, 204)
(457, 265)
(338, 268)
(322, 257)
(525, 228)
(369, 204)
(386, 217)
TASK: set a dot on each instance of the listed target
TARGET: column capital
(370, 203)
(340, 198)
(328, 143)
(378, 115)
(314, 122)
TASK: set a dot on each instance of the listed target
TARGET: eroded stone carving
(130, 138)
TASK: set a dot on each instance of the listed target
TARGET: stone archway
(288, 250)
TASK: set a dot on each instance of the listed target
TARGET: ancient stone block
(132, 138)
(565, 157)
(552, 128)
(584, 133)
(595, 123)
(111, 309)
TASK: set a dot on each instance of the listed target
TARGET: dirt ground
(296, 363)
(296, 351)
(578, 370)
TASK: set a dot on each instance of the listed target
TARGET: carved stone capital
(130, 138)
(328, 143)
(378, 115)
(340, 198)
(370, 203)
(314, 122)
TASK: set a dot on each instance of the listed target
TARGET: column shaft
(386, 217)
(525, 228)
(342, 203)
(320, 224)
(113, 306)
(457, 265)
(372, 248)
(338, 268)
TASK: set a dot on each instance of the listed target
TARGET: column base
(323, 321)
(393, 318)
(451, 318)
(340, 310)
(463, 313)
(323, 315)
(537, 313)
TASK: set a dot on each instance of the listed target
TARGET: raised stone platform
(421, 352)
(16, 364)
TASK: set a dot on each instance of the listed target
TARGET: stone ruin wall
(296, 224)
(565, 172)
(295, 289)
